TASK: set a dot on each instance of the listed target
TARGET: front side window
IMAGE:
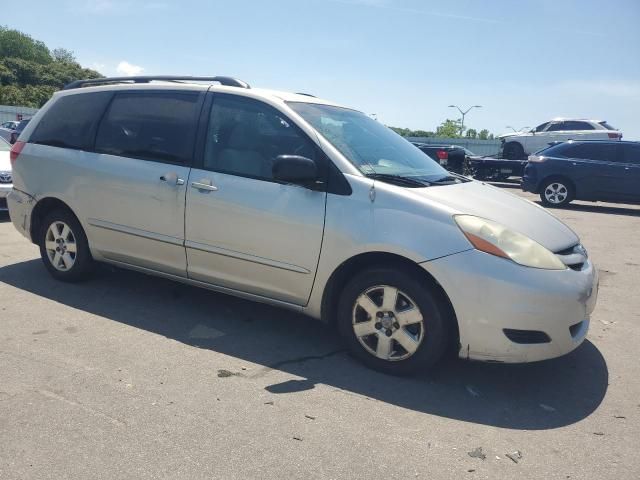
(70, 122)
(157, 126)
(245, 136)
(540, 128)
(370, 146)
(556, 127)
(593, 151)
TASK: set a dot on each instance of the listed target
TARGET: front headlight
(491, 237)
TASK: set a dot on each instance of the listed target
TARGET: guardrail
(9, 112)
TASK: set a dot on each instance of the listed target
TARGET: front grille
(526, 336)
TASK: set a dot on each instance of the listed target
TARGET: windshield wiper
(398, 180)
(447, 180)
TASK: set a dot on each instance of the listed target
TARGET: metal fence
(479, 147)
(8, 113)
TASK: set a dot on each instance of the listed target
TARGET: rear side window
(631, 154)
(541, 128)
(607, 126)
(71, 121)
(592, 151)
(157, 126)
(573, 125)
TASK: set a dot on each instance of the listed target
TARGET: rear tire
(393, 321)
(513, 151)
(64, 247)
(556, 192)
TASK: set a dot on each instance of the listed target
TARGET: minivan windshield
(373, 148)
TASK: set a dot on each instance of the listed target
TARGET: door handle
(204, 184)
(172, 178)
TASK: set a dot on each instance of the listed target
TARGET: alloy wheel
(61, 247)
(556, 193)
(388, 323)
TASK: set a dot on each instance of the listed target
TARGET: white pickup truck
(516, 146)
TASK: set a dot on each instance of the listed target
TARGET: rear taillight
(442, 155)
(15, 151)
(615, 135)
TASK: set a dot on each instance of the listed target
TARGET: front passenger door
(244, 230)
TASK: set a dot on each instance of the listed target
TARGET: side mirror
(295, 169)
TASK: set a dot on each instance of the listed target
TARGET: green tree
(490, 137)
(471, 133)
(63, 55)
(449, 128)
(30, 73)
(484, 134)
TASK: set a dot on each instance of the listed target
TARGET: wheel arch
(519, 144)
(350, 267)
(556, 177)
(41, 209)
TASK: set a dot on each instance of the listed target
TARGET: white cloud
(127, 69)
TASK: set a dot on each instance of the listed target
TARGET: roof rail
(91, 82)
(305, 94)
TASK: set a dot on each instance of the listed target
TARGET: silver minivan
(298, 202)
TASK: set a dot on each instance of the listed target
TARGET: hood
(5, 164)
(512, 211)
(509, 135)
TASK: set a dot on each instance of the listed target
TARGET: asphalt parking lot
(129, 376)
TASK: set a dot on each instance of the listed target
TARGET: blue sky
(405, 60)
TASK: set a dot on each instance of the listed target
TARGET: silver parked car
(298, 202)
(5, 174)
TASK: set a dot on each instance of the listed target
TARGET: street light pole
(463, 113)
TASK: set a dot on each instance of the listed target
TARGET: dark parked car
(585, 170)
(16, 133)
(450, 157)
(493, 168)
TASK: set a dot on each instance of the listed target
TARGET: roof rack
(91, 82)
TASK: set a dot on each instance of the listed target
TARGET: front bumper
(491, 294)
(5, 189)
(529, 185)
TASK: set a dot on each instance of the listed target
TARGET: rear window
(607, 126)
(71, 121)
(150, 126)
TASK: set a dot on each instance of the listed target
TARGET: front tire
(513, 151)
(556, 192)
(64, 247)
(393, 321)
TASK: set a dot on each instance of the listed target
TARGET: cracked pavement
(120, 377)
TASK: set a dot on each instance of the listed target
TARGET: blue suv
(585, 170)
